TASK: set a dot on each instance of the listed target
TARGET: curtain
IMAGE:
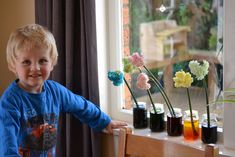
(73, 24)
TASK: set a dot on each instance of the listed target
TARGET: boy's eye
(43, 61)
(26, 62)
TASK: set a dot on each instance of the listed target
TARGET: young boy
(30, 106)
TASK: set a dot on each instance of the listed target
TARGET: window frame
(109, 46)
(115, 58)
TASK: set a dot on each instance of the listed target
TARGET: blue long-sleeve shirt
(28, 122)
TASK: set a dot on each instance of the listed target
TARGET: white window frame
(115, 58)
(109, 45)
(112, 97)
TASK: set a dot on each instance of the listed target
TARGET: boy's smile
(32, 68)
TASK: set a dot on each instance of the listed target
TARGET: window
(125, 39)
(111, 46)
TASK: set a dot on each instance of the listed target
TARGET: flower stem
(172, 114)
(137, 105)
(154, 108)
(207, 104)
(158, 84)
(191, 113)
(150, 96)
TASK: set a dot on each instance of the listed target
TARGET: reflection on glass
(186, 30)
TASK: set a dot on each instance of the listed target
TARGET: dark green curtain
(73, 24)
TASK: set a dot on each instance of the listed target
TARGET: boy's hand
(114, 125)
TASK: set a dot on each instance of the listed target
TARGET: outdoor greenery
(198, 14)
(140, 11)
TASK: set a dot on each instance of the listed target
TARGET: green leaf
(224, 101)
(229, 90)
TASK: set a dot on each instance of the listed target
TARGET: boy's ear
(12, 68)
(52, 67)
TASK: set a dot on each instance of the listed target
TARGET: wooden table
(167, 65)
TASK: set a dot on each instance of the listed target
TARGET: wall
(229, 75)
(13, 13)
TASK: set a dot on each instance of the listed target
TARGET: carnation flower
(142, 81)
(117, 78)
(138, 60)
(199, 70)
(184, 79)
(128, 67)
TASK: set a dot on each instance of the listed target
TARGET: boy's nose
(35, 67)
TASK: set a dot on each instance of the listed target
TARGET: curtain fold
(73, 24)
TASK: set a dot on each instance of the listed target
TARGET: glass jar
(157, 123)
(191, 127)
(209, 132)
(174, 124)
(140, 120)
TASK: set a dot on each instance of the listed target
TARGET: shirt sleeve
(86, 111)
(9, 128)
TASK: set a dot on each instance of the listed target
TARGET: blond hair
(29, 37)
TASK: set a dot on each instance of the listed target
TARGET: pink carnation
(136, 59)
(142, 81)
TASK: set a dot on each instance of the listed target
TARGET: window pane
(169, 34)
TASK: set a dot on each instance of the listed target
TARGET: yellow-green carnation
(199, 70)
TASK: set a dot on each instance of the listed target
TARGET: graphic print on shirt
(39, 135)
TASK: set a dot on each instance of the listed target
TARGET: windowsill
(224, 152)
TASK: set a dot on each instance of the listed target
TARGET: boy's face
(32, 68)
